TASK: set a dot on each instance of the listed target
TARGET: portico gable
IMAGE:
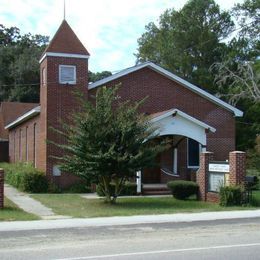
(176, 122)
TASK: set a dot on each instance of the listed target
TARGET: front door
(152, 175)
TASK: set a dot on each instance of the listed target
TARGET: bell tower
(64, 70)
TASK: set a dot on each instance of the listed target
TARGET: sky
(109, 29)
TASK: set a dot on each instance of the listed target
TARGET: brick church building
(194, 119)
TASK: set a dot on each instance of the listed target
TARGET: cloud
(108, 28)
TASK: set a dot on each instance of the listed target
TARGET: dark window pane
(193, 152)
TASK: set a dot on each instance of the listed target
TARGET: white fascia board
(173, 77)
(65, 55)
(33, 112)
(184, 115)
(117, 75)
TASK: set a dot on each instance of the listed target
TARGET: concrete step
(156, 192)
(156, 189)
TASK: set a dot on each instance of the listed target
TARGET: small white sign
(216, 180)
(215, 167)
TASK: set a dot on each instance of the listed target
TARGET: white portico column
(138, 182)
(203, 149)
(175, 160)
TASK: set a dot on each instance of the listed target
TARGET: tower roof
(66, 41)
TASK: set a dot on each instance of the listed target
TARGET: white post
(138, 182)
(175, 161)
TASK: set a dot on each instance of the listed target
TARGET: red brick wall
(237, 173)
(163, 94)
(202, 177)
(1, 188)
(237, 168)
(58, 102)
(17, 142)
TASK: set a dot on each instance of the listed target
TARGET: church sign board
(218, 175)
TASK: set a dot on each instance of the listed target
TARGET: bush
(231, 196)
(129, 189)
(25, 177)
(183, 189)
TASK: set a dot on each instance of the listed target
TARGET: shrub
(183, 189)
(25, 177)
(129, 189)
(231, 196)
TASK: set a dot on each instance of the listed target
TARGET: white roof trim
(184, 115)
(33, 112)
(60, 54)
(173, 77)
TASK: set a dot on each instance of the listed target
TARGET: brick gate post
(237, 168)
(1, 188)
(202, 177)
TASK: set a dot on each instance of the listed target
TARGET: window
(56, 171)
(14, 146)
(44, 81)
(34, 145)
(193, 153)
(67, 74)
(26, 144)
(20, 145)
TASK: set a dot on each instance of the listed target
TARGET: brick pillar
(202, 177)
(237, 168)
(1, 188)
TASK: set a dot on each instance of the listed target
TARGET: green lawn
(11, 212)
(76, 206)
(256, 198)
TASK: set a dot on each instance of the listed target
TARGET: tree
(243, 83)
(92, 76)
(237, 76)
(247, 15)
(188, 41)
(108, 142)
(19, 64)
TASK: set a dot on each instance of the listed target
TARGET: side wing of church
(192, 118)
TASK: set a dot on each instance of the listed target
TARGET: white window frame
(44, 76)
(74, 74)
(56, 172)
(192, 166)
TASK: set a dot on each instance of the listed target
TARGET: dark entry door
(152, 175)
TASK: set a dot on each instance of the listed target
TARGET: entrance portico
(183, 130)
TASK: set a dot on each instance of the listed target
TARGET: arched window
(34, 144)
(26, 144)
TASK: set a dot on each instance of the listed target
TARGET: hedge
(183, 189)
(25, 177)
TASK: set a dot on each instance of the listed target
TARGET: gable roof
(9, 111)
(173, 112)
(24, 117)
(66, 41)
(172, 77)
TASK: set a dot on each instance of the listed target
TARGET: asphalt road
(229, 239)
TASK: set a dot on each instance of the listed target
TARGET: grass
(11, 212)
(256, 198)
(76, 206)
